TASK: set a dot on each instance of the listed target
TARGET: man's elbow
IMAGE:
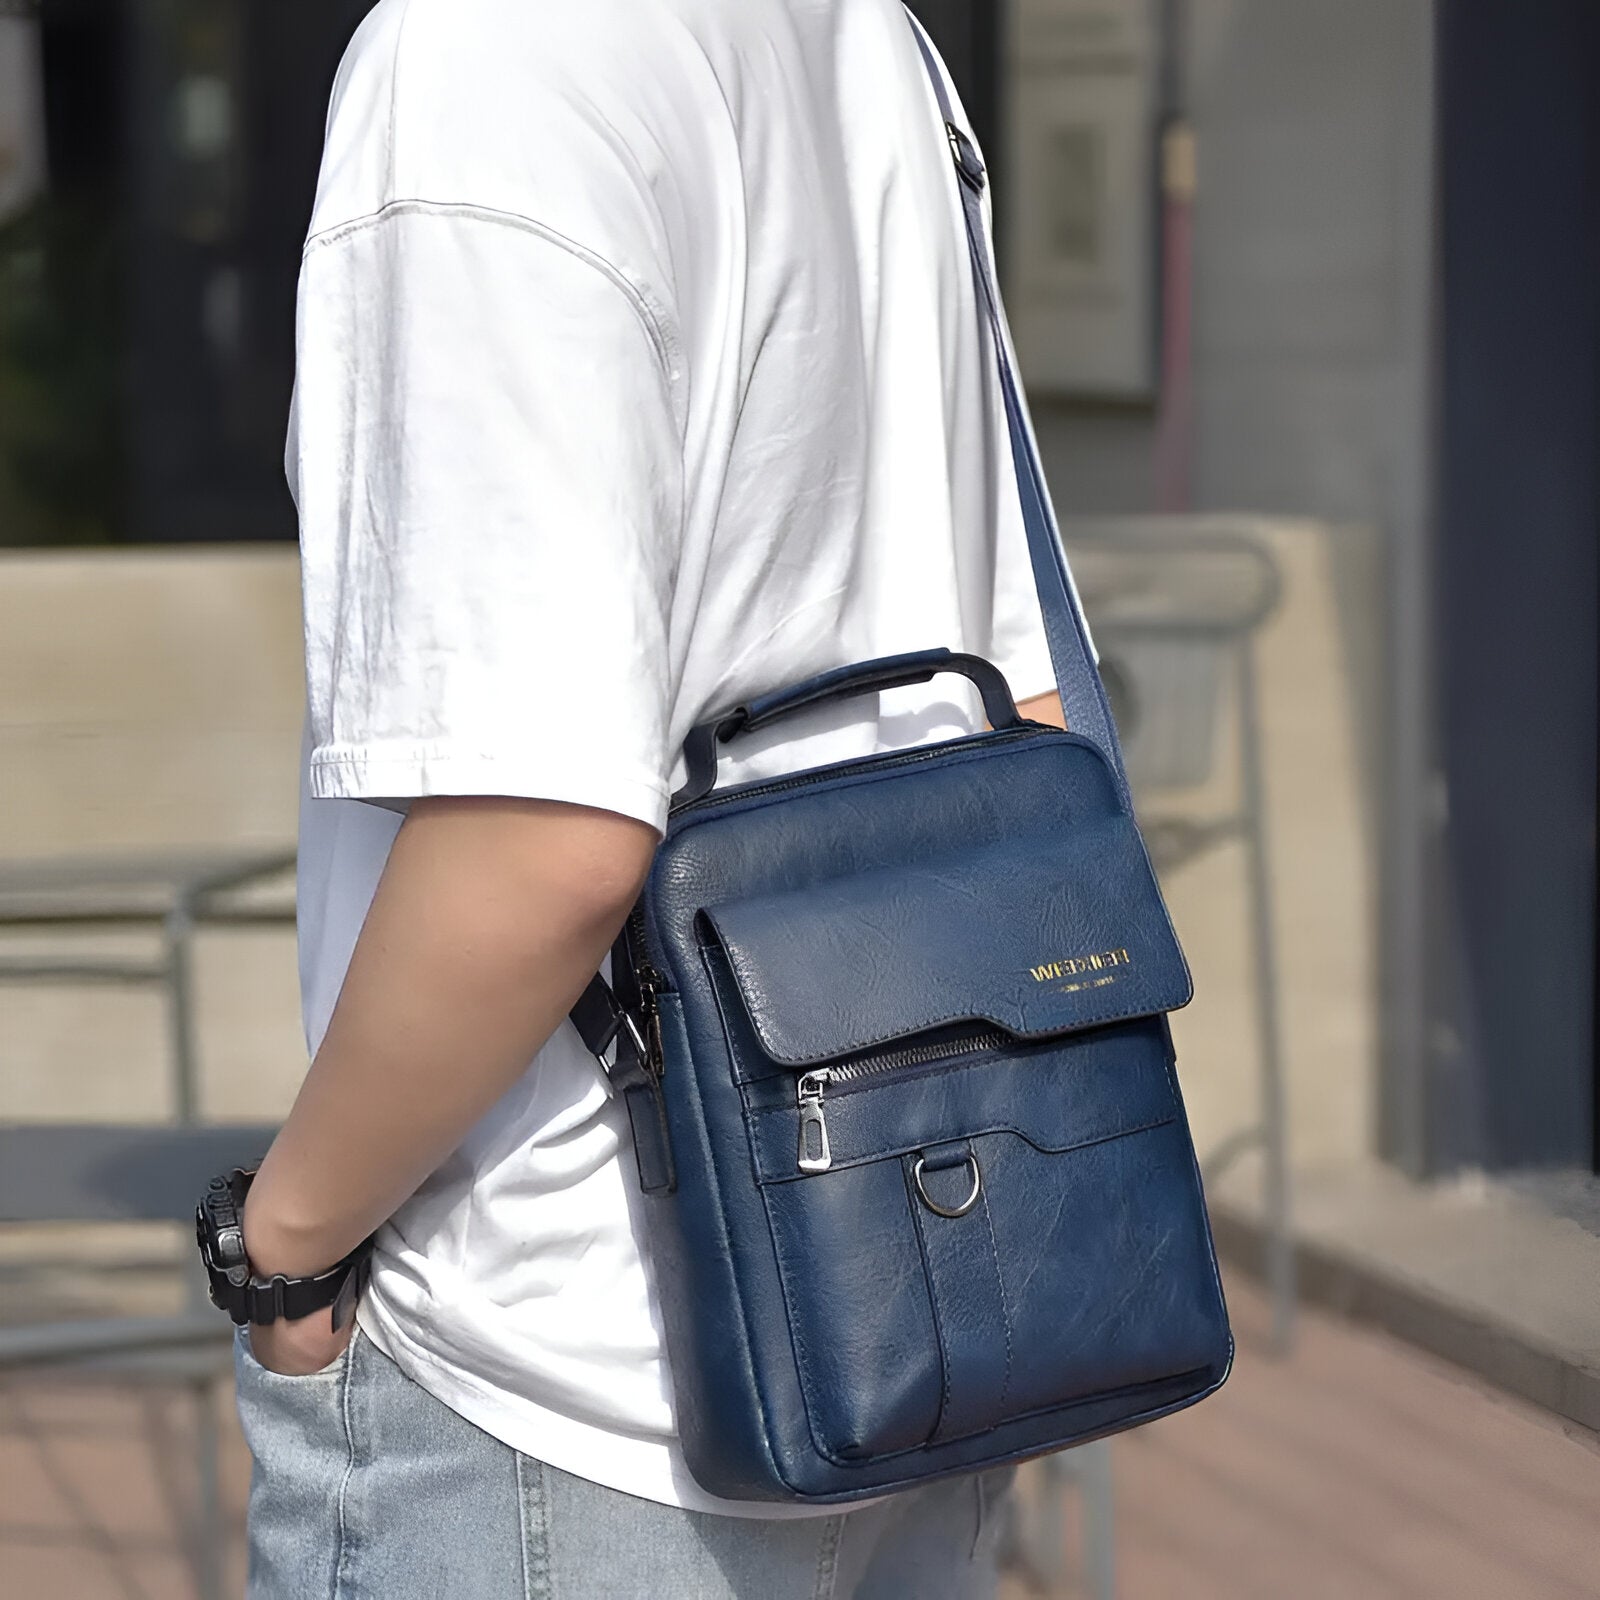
(603, 860)
(589, 863)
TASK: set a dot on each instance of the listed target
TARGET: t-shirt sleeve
(487, 465)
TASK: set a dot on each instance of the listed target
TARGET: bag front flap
(1039, 935)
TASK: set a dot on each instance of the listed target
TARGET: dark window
(163, 162)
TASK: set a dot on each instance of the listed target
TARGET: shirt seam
(391, 159)
(651, 315)
(387, 752)
(356, 761)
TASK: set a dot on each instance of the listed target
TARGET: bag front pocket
(960, 1265)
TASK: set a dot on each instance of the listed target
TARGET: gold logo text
(1072, 966)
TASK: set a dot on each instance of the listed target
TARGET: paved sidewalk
(1357, 1470)
(1360, 1469)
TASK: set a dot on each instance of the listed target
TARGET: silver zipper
(650, 986)
(913, 1055)
(816, 1154)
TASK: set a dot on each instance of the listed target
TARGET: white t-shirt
(639, 372)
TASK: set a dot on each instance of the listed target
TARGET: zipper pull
(815, 1154)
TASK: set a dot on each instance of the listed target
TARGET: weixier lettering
(1089, 983)
(1071, 966)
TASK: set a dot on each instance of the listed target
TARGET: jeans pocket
(301, 1431)
(248, 1367)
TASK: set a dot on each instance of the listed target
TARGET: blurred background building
(1305, 293)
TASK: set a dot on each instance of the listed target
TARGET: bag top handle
(866, 677)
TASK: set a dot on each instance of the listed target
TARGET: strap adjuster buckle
(968, 163)
(636, 1042)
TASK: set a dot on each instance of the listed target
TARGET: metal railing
(94, 1173)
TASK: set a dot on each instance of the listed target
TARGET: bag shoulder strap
(598, 1016)
(1083, 695)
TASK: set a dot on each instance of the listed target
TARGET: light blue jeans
(367, 1488)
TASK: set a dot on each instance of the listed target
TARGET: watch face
(230, 1254)
(219, 1231)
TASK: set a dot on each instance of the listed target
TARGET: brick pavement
(1357, 1470)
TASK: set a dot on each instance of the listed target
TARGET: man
(639, 372)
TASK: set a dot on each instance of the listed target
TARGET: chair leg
(209, 1541)
(1274, 1115)
(1040, 1553)
(1047, 1556)
(1099, 1520)
(178, 933)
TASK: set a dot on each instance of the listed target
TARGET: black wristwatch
(235, 1286)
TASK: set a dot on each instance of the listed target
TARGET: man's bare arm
(490, 917)
(1044, 708)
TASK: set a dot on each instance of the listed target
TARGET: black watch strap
(247, 1297)
(281, 1299)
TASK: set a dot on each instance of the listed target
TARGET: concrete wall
(1312, 230)
(1312, 312)
(149, 699)
(1312, 308)
(150, 704)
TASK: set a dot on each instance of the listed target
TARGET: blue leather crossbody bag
(919, 1191)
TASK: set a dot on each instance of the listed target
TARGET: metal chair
(95, 1173)
(175, 893)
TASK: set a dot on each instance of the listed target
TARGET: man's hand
(306, 1345)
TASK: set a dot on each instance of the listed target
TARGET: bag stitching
(1005, 1299)
(945, 1361)
(714, 1194)
(766, 1180)
(933, 1441)
(1124, 1014)
(805, 1366)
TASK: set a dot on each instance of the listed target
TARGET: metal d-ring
(933, 1205)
